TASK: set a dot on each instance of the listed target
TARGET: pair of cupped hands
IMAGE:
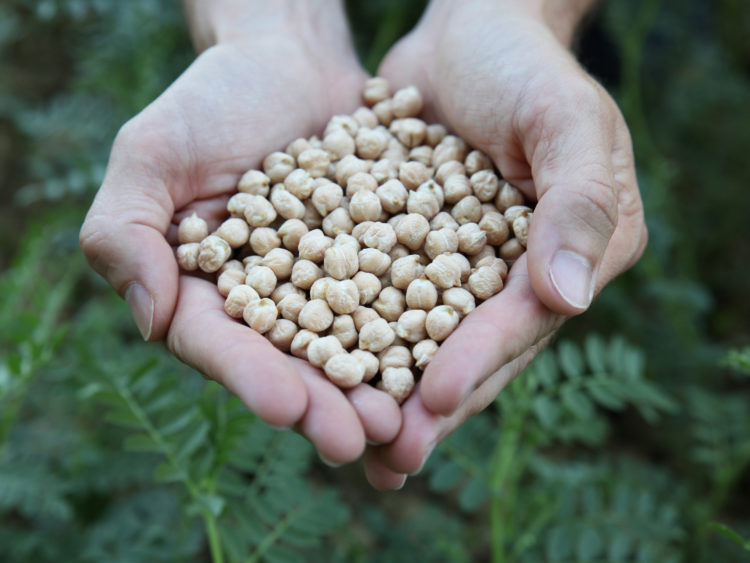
(504, 82)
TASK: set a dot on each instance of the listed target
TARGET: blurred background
(627, 440)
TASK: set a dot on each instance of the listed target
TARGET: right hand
(235, 104)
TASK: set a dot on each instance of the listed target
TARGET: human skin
(501, 75)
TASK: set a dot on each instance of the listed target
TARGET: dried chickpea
(467, 210)
(368, 360)
(213, 251)
(304, 273)
(487, 251)
(365, 117)
(413, 174)
(313, 245)
(512, 213)
(508, 196)
(297, 147)
(263, 240)
(471, 239)
(290, 306)
(485, 282)
(342, 296)
(364, 206)
(384, 170)
(511, 250)
(254, 182)
(261, 279)
(407, 102)
(235, 231)
(440, 241)
(315, 162)
(301, 342)
(423, 202)
(497, 264)
(359, 230)
(446, 151)
(393, 196)
(348, 167)
(411, 325)
(192, 229)
(421, 294)
(327, 197)
(398, 251)
(312, 219)
(229, 279)
(376, 90)
(343, 329)
(300, 184)
(342, 370)
(258, 211)
(338, 143)
(521, 229)
(405, 270)
(376, 335)
(443, 220)
(344, 239)
(398, 383)
(380, 236)
(448, 169)
(260, 315)
(291, 231)
(440, 322)
(361, 181)
(284, 289)
(423, 155)
(423, 352)
(475, 161)
(369, 286)
(322, 349)
(363, 315)
(464, 266)
(383, 110)
(277, 166)
(238, 298)
(237, 204)
(496, 226)
(371, 143)
(485, 185)
(412, 230)
(435, 134)
(345, 122)
(456, 187)
(374, 261)
(444, 271)
(316, 315)
(230, 265)
(390, 304)
(460, 299)
(338, 221)
(253, 260)
(319, 287)
(281, 261)
(282, 334)
(341, 262)
(187, 256)
(395, 357)
(409, 130)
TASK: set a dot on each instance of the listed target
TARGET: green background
(628, 440)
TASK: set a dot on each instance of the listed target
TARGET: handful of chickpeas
(360, 252)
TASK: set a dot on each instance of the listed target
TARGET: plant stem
(214, 540)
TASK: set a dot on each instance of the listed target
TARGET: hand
(239, 101)
(498, 76)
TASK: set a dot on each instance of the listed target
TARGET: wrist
(213, 22)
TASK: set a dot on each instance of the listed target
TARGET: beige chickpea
(407, 102)
(300, 184)
(341, 261)
(297, 147)
(475, 161)
(435, 134)
(344, 371)
(447, 169)
(398, 251)
(348, 167)
(345, 122)
(213, 251)
(359, 230)
(497, 264)
(409, 130)
(423, 352)
(464, 266)
(342, 296)
(312, 219)
(423, 155)
(250, 261)
(258, 211)
(290, 232)
(371, 143)
(254, 182)
(263, 240)
(282, 334)
(361, 181)
(471, 239)
(412, 230)
(508, 196)
(413, 174)
(390, 303)
(380, 236)
(229, 279)
(374, 261)
(322, 349)
(235, 231)
(405, 270)
(364, 206)
(384, 170)
(320, 286)
(396, 152)
(260, 315)
(290, 306)
(411, 325)
(516, 211)
(446, 151)
(383, 110)
(376, 90)
(368, 360)
(467, 210)
(460, 299)
(456, 187)
(327, 197)
(345, 239)
(376, 335)
(230, 265)
(395, 357)
(487, 251)
(485, 185)
(421, 294)
(315, 162)
(363, 315)
(238, 298)
(277, 166)
(343, 329)
(423, 202)
(192, 229)
(441, 322)
(365, 117)
(485, 282)
(304, 273)
(444, 271)
(316, 315)
(398, 383)
(284, 289)
(281, 261)
(496, 226)
(521, 229)
(187, 256)
(237, 204)
(338, 221)
(301, 342)
(261, 279)
(338, 144)
(440, 241)
(313, 245)
(511, 250)
(368, 286)
(443, 220)
(393, 196)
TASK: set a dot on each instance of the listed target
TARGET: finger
(378, 474)
(569, 144)
(330, 422)
(422, 430)
(494, 334)
(204, 337)
(378, 412)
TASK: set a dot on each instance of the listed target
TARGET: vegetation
(627, 440)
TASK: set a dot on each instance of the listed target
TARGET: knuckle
(596, 205)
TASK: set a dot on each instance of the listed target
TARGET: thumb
(123, 239)
(577, 212)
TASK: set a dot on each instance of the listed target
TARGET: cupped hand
(496, 74)
(235, 104)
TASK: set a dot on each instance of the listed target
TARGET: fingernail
(572, 276)
(328, 462)
(426, 456)
(142, 307)
(401, 486)
(373, 443)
